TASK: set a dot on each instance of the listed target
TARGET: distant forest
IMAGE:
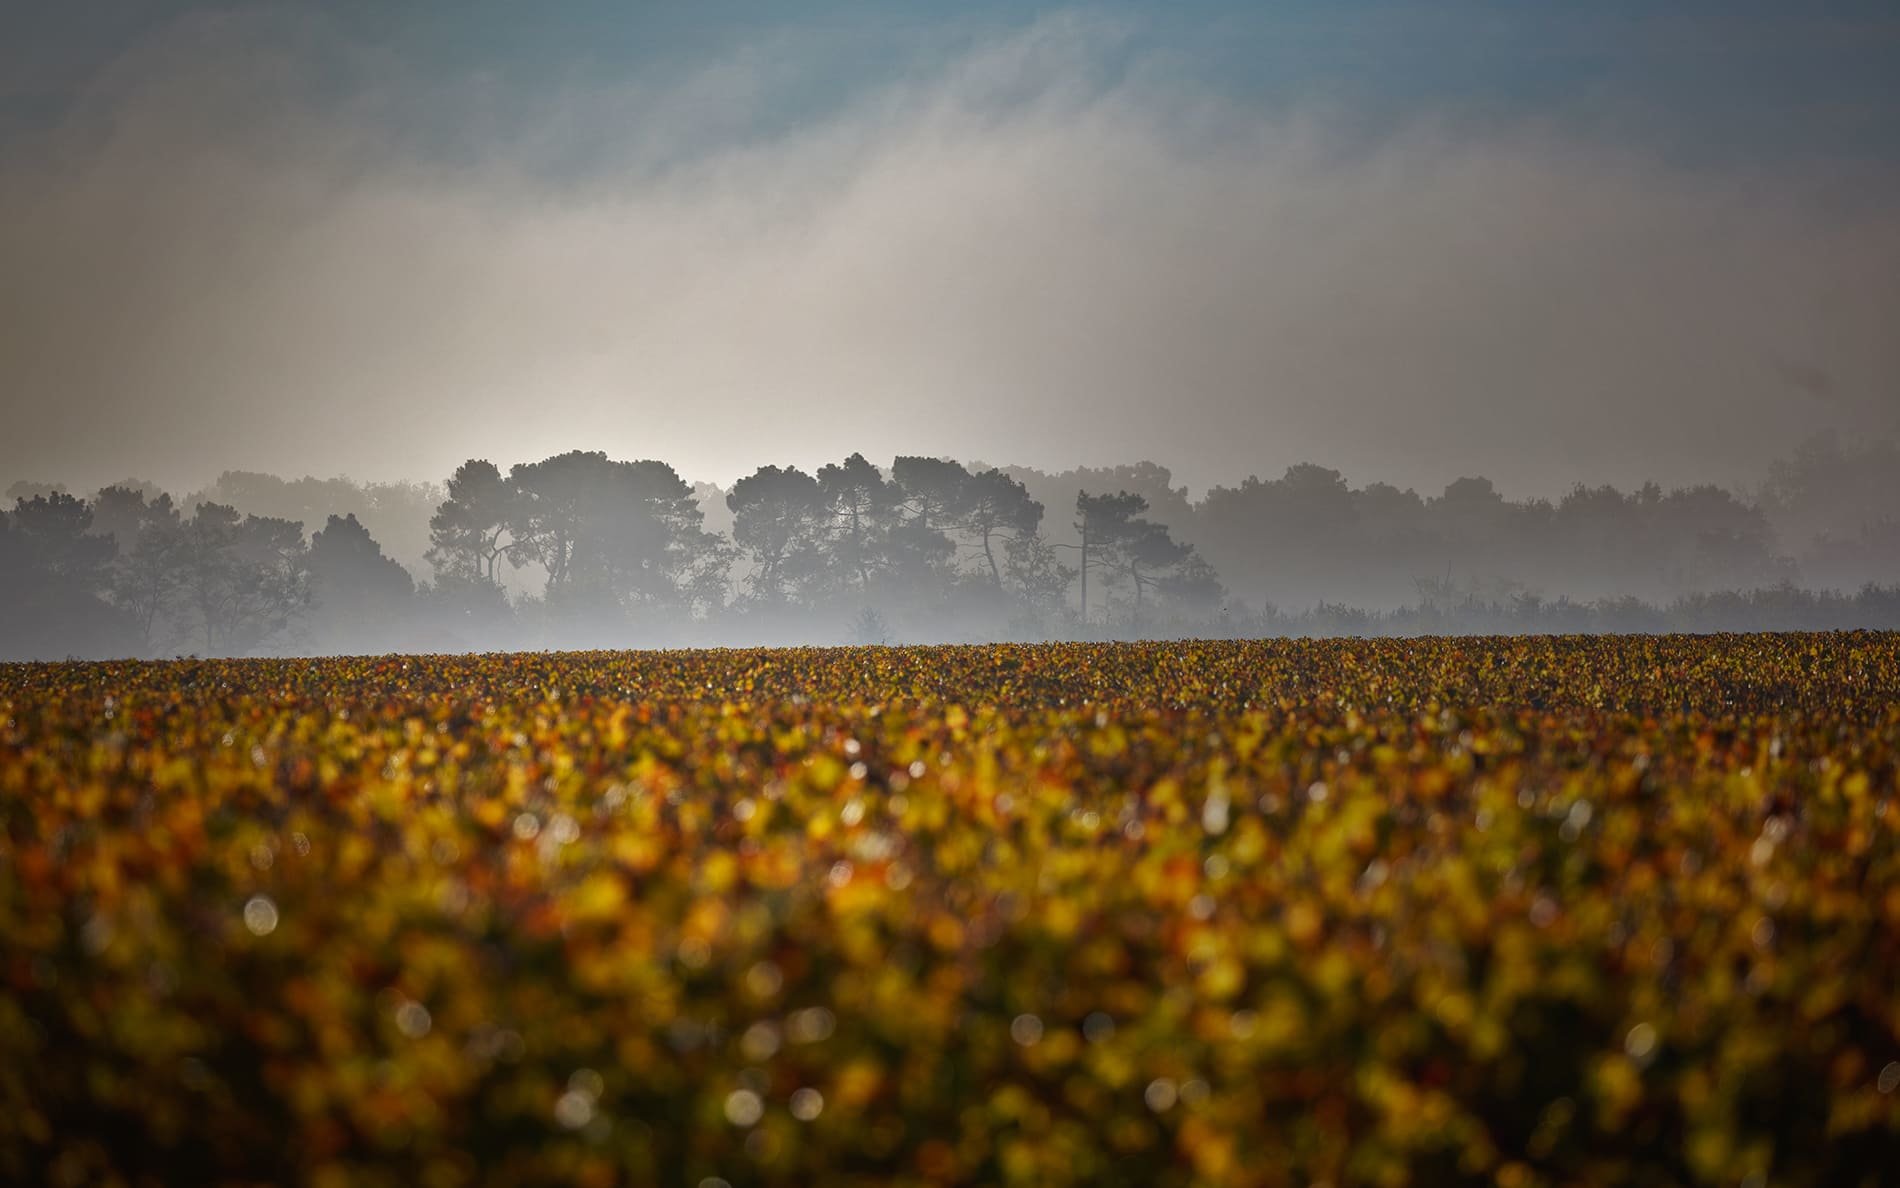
(581, 550)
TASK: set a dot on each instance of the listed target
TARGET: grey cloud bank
(232, 258)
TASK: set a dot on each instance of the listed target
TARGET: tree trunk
(1085, 577)
(857, 547)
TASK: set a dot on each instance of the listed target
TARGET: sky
(1546, 244)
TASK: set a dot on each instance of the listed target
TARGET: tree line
(582, 550)
(622, 552)
(926, 538)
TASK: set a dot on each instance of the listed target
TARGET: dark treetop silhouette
(580, 550)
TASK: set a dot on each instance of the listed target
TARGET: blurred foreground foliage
(1526, 911)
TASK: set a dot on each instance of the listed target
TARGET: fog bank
(260, 240)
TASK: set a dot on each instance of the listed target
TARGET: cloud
(259, 245)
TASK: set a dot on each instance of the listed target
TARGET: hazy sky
(1604, 242)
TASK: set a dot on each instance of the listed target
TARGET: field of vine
(1490, 911)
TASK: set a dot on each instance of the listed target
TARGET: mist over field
(582, 550)
(1369, 309)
